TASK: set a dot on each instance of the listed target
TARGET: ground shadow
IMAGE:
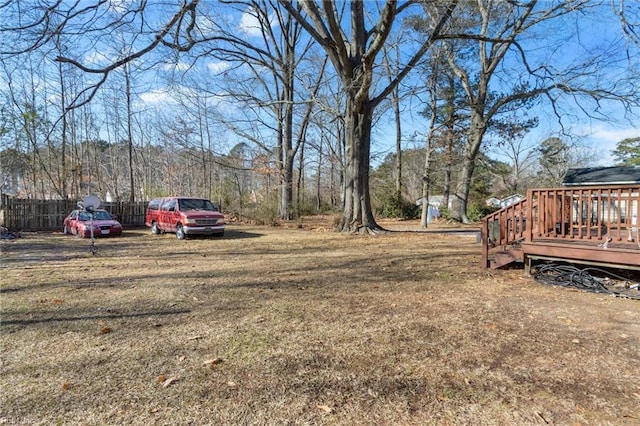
(31, 321)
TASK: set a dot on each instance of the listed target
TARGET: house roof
(623, 175)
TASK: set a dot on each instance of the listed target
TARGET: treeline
(281, 108)
(242, 182)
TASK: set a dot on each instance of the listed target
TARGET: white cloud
(96, 58)
(120, 6)
(157, 96)
(218, 67)
(249, 25)
(180, 66)
(167, 97)
(614, 135)
(605, 139)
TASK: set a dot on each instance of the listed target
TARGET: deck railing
(598, 213)
(503, 227)
(597, 216)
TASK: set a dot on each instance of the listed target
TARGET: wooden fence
(20, 214)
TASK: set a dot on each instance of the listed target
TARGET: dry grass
(299, 326)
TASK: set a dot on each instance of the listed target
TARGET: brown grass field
(303, 326)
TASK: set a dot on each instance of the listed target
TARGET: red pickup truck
(184, 216)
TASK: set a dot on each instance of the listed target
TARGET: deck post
(484, 240)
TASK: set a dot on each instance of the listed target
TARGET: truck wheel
(180, 232)
(154, 228)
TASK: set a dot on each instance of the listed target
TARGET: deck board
(616, 254)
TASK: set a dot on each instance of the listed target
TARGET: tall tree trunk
(300, 181)
(319, 175)
(472, 148)
(129, 135)
(62, 172)
(396, 109)
(424, 217)
(358, 215)
(286, 188)
(449, 140)
(288, 153)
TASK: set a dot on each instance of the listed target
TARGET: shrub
(266, 213)
(393, 205)
(476, 211)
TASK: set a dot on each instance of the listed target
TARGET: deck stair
(505, 257)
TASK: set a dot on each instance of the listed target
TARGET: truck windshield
(197, 204)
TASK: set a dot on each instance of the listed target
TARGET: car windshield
(197, 204)
(102, 215)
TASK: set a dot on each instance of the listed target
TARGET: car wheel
(180, 232)
(65, 230)
(154, 228)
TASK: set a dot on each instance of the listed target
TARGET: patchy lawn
(303, 326)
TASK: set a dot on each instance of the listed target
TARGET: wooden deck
(591, 225)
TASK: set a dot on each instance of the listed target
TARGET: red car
(79, 223)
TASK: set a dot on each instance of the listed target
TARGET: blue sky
(578, 38)
(582, 36)
(600, 135)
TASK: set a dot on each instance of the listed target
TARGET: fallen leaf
(168, 382)
(181, 358)
(66, 386)
(212, 362)
(106, 330)
(325, 408)
(58, 301)
(161, 378)
(231, 384)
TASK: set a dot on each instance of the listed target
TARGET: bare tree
(500, 30)
(354, 58)
(266, 60)
(522, 158)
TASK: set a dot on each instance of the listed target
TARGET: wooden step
(506, 257)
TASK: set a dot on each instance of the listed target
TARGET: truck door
(168, 215)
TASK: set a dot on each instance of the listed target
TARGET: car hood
(199, 214)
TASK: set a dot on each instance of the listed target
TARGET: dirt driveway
(302, 326)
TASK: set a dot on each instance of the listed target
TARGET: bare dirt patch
(299, 325)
